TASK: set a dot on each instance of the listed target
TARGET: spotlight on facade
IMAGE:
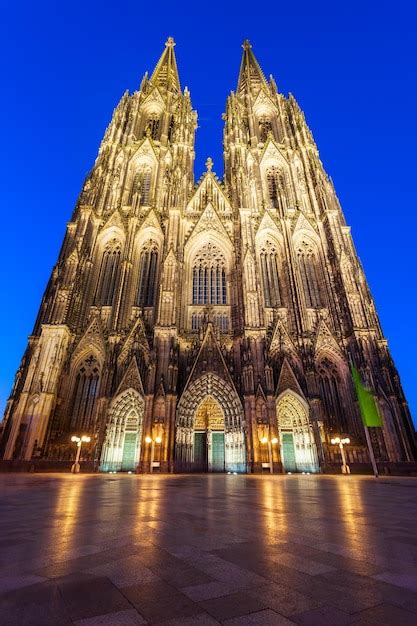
(148, 439)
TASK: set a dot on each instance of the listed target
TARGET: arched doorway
(209, 450)
(210, 435)
(298, 448)
(121, 448)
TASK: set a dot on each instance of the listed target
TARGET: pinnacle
(170, 43)
(251, 78)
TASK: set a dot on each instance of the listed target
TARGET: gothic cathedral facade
(205, 326)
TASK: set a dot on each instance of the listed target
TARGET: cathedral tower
(205, 326)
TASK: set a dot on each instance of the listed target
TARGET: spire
(251, 78)
(165, 75)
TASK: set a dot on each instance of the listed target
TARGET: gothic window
(209, 276)
(265, 127)
(276, 185)
(141, 187)
(330, 386)
(220, 321)
(85, 393)
(310, 274)
(270, 270)
(108, 274)
(152, 126)
(171, 128)
(148, 273)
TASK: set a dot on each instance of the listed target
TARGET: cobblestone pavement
(207, 549)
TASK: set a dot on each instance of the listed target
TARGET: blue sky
(352, 68)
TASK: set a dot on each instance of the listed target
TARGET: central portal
(209, 454)
(210, 434)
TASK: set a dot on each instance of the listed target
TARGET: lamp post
(75, 468)
(341, 443)
(270, 443)
(151, 441)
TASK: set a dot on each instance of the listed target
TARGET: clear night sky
(352, 69)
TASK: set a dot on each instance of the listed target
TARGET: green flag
(367, 405)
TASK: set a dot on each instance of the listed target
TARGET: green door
(288, 452)
(200, 452)
(129, 449)
(217, 447)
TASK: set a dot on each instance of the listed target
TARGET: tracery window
(141, 186)
(152, 126)
(209, 276)
(276, 185)
(270, 271)
(310, 275)
(85, 392)
(148, 273)
(265, 126)
(108, 274)
(220, 321)
(330, 385)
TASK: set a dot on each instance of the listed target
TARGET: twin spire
(165, 75)
(251, 78)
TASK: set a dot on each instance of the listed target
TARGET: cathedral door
(217, 452)
(209, 453)
(288, 452)
(298, 448)
(122, 444)
(129, 452)
(200, 452)
(209, 428)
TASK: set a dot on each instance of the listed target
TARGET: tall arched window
(171, 128)
(148, 274)
(276, 186)
(141, 187)
(108, 274)
(265, 126)
(209, 276)
(270, 271)
(152, 126)
(310, 274)
(85, 393)
(330, 385)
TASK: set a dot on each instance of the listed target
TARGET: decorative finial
(246, 44)
(170, 43)
(209, 164)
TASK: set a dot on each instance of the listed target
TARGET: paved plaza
(207, 549)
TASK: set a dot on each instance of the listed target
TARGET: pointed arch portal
(210, 435)
(298, 448)
(121, 449)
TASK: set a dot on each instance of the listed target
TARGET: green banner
(367, 405)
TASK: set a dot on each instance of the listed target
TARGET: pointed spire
(251, 78)
(165, 75)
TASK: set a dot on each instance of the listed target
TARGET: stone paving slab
(207, 549)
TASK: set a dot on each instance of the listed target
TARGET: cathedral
(205, 326)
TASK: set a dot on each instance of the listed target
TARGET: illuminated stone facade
(216, 319)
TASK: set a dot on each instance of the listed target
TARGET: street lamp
(338, 441)
(270, 443)
(151, 441)
(79, 441)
